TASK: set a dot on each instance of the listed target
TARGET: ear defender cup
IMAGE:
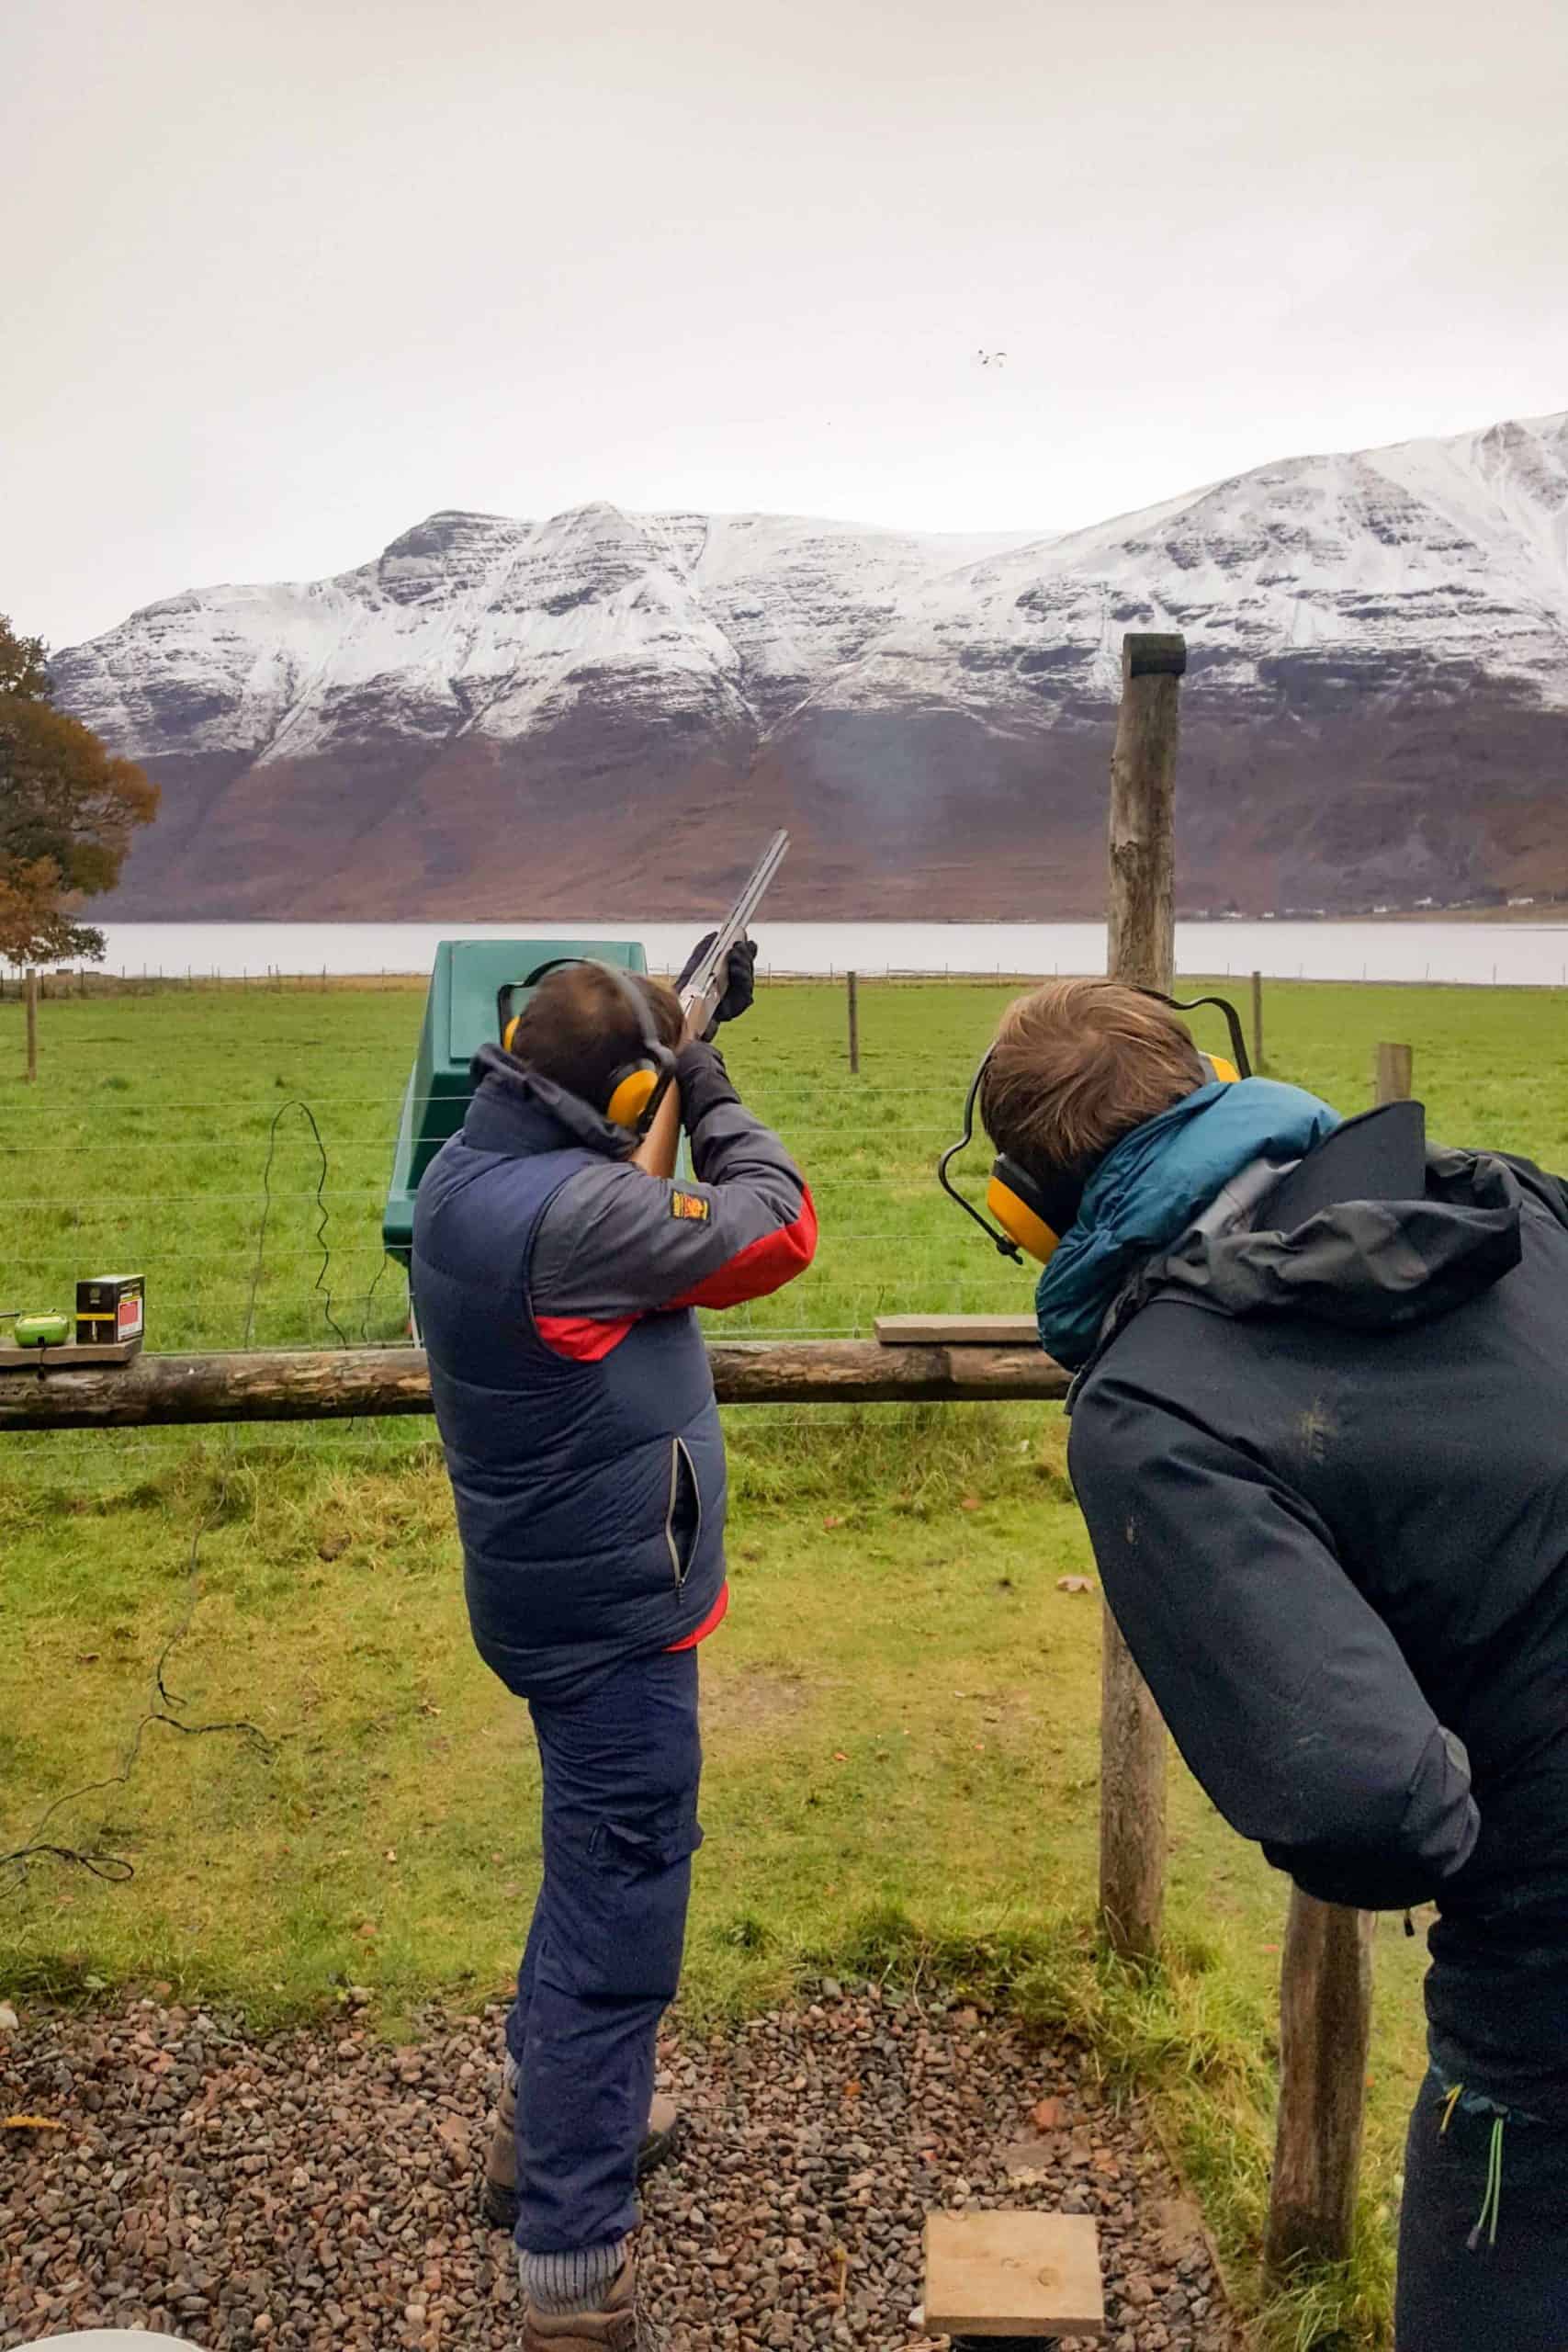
(1034, 1211)
(1218, 1068)
(632, 1091)
(639, 1086)
(1018, 1220)
(510, 1032)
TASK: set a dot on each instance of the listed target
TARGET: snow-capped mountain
(597, 712)
(474, 622)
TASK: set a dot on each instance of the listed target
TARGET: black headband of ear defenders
(1050, 1197)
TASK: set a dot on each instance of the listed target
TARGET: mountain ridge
(491, 710)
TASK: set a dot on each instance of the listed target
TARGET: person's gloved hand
(739, 980)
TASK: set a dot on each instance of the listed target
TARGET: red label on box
(130, 1319)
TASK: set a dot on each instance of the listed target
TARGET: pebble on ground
(316, 2189)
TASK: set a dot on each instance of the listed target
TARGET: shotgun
(703, 991)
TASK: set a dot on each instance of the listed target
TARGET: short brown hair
(578, 1029)
(1076, 1064)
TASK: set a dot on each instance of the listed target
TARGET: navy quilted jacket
(555, 1286)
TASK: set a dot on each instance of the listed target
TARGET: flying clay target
(108, 2339)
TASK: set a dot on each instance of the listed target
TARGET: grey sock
(573, 2282)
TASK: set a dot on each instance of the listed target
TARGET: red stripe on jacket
(582, 1338)
(762, 1266)
(710, 1623)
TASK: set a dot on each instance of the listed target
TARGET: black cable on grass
(322, 1241)
(95, 1858)
(387, 1260)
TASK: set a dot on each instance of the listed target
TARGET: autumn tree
(67, 811)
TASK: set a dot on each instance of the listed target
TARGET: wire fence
(243, 1166)
(241, 1159)
(98, 981)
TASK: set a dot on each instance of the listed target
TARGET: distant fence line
(83, 982)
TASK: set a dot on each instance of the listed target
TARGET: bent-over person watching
(556, 1268)
(1320, 1436)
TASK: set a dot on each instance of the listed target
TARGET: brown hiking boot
(616, 2326)
(498, 2194)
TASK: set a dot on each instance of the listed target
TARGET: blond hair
(1076, 1064)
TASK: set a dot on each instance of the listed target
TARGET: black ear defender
(636, 1088)
(1030, 1212)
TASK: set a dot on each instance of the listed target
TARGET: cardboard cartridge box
(111, 1310)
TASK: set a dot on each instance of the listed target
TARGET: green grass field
(901, 1711)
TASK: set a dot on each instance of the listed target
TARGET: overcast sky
(285, 276)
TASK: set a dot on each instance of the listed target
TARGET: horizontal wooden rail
(332, 1384)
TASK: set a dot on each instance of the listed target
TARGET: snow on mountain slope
(477, 621)
(1420, 564)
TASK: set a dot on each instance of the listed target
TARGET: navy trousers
(1509, 2291)
(621, 1767)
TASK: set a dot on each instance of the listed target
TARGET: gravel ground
(316, 2189)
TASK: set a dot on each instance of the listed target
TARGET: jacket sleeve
(616, 1243)
(1285, 1691)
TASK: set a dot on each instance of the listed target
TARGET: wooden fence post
(851, 986)
(30, 985)
(1257, 1024)
(1392, 1073)
(1141, 928)
(1143, 812)
(1326, 2018)
(1325, 2021)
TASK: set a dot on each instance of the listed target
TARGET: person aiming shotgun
(1318, 1434)
(556, 1267)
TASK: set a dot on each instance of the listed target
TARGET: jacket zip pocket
(684, 1519)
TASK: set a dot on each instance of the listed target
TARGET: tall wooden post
(1141, 938)
(1143, 812)
(1257, 1023)
(1325, 2021)
(30, 989)
(852, 989)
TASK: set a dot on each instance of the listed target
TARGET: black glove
(740, 979)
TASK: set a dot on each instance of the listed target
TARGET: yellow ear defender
(630, 1096)
(636, 1088)
(1025, 1213)
(1030, 1213)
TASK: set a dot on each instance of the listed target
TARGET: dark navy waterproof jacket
(1325, 1465)
(555, 1286)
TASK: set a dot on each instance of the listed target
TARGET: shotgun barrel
(706, 986)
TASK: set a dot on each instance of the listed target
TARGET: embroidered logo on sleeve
(690, 1204)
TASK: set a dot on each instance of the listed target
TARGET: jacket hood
(1365, 1264)
(515, 1110)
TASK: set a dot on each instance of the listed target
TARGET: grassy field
(901, 1712)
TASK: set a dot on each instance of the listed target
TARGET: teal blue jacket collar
(1150, 1186)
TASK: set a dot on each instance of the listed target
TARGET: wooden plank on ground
(957, 1330)
(1013, 2274)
